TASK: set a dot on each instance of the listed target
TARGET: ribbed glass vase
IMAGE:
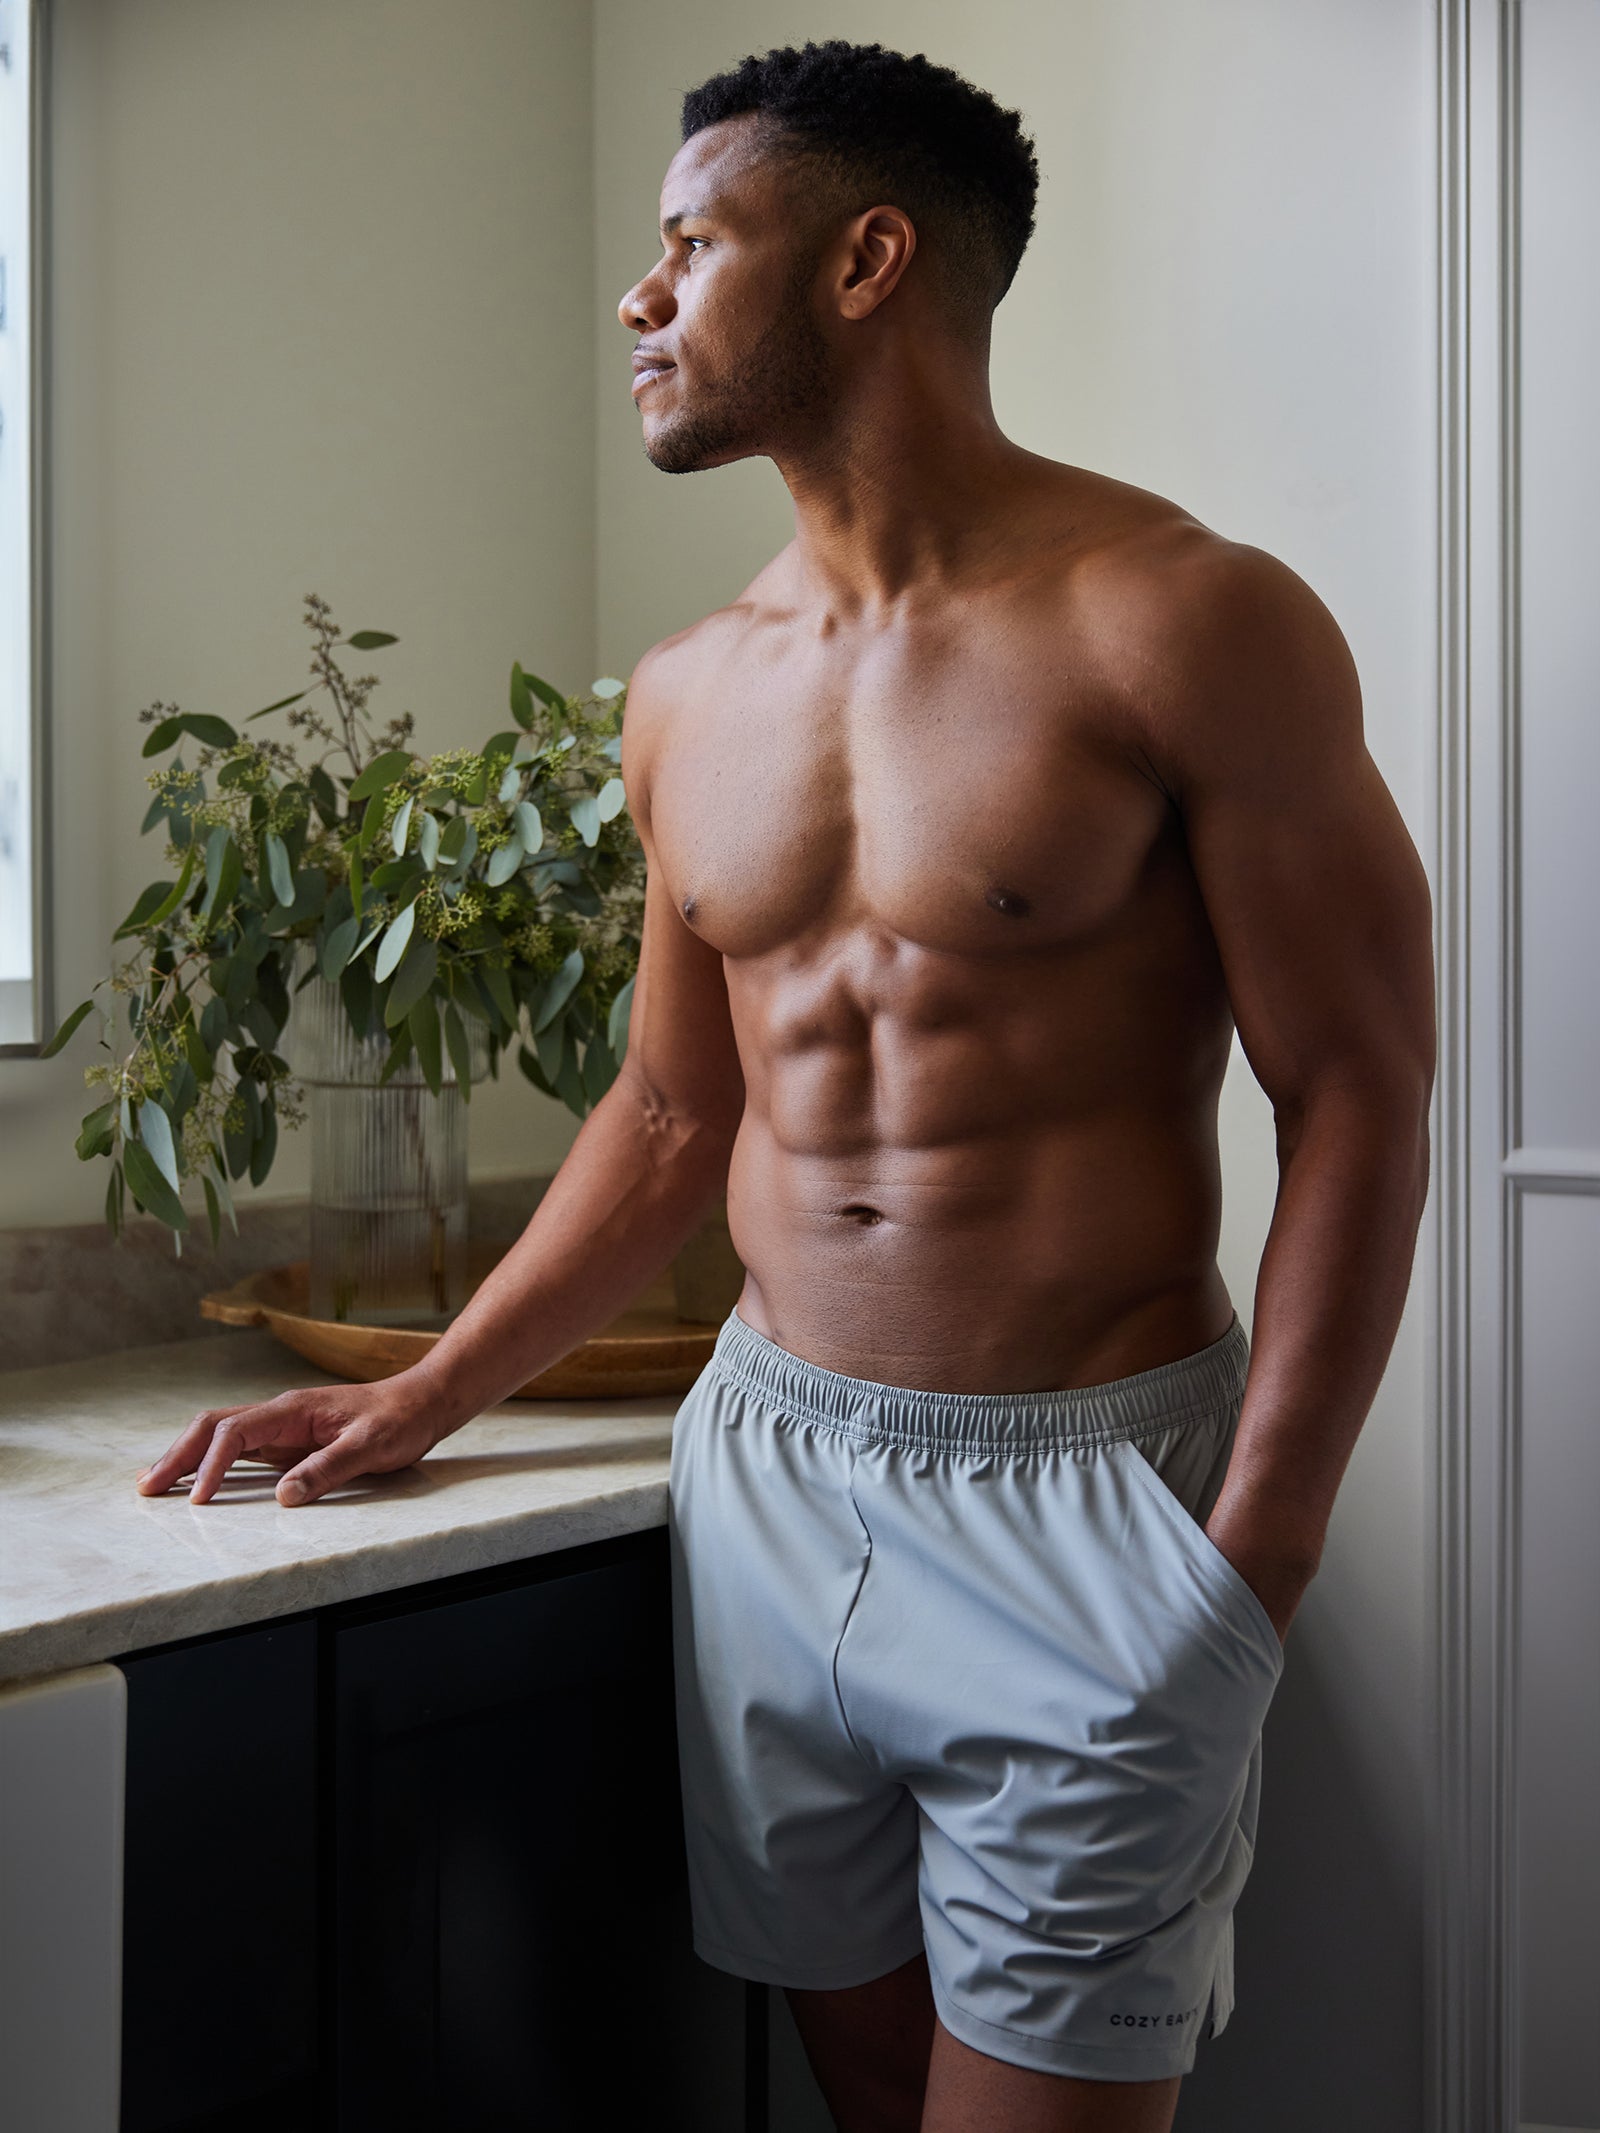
(388, 1172)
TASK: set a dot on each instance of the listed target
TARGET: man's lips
(647, 372)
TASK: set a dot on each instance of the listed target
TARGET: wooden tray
(645, 1349)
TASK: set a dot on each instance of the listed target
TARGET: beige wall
(335, 310)
(322, 322)
(1228, 299)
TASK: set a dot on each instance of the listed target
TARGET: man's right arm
(648, 1164)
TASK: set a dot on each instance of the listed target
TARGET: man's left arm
(1320, 908)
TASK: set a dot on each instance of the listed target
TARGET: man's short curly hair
(877, 127)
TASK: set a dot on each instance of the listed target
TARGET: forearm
(1353, 1176)
(635, 1185)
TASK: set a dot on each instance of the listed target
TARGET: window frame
(24, 1035)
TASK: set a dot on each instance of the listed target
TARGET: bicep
(1315, 893)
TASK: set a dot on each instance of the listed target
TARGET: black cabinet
(417, 1863)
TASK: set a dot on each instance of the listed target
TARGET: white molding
(1471, 2072)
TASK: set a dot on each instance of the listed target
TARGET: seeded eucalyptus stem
(502, 885)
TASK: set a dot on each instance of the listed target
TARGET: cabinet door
(511, 1901)
(219, 1996)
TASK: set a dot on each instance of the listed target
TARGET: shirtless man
(975, 826)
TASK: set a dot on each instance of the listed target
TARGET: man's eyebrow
(682, 215)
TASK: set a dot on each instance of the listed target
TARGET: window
(24, 1004)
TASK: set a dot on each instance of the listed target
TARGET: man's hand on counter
(323, 1435)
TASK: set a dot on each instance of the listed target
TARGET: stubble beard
(778, 394)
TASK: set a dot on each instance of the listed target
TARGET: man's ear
(879, 244)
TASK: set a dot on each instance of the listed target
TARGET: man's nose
(645, 305)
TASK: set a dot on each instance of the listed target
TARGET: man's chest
(956, 798)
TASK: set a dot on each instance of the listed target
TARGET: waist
(1014, 1423)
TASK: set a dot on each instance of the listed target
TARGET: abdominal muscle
(986, 1206)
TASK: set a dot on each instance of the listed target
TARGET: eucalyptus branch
(502, 887)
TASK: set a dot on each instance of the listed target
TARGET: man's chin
(681, 449)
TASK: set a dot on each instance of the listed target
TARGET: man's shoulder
(1178, 615)
(680, 665)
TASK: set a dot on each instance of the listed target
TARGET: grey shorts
(964, 1672)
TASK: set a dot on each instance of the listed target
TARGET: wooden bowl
(646, 1349)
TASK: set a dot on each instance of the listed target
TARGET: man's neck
(905, 491)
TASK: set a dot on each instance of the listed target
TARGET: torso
(979, 1009)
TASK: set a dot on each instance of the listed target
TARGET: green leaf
(530, 830)
(260, 1021)
(366, 942)
(162, 735)
(150, 900)
(459, 1046)
(617, 1019)
(150, 1188)
(394, 942)
(458, 843)
(278, 868)
(607, 687)
(611, 799)
(266, 1144)
(220, 1178)
(236, 1142)
(114, 1192)
(213, 1210)
(498, 986)
(530, 1066)
(504, 861)
(153, 814)
(355, 883)
(399, 1052)
(546, 695)
(140, 918)
(428, 840)
(213, 1022)
(323, 793)
(356, 991)
(569, 1086)
(423, 1023)
(337, 946)
(412, 980)
(281, 704)
(521, 698)
(510, 785)
(561, 987)
(402, 825)
(369, 640)
(215, 732)
(398, 873)
(202, 1064)
(371, 823)
(585, 814)
(381, 773)
(467, 993)
(48, 1051)
(551, 1045)
(99, 1132)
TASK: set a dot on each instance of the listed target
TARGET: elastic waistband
(1135, 1406)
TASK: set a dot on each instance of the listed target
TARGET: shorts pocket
(1222, 1576)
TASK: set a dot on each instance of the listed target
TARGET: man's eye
(697, 240)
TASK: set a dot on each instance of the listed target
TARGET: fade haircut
(869, 127)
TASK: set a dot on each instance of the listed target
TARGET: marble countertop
(89, 1568)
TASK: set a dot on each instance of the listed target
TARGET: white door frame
(1483, 1171)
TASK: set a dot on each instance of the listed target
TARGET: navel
(1011, 901)
(859, 1212)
